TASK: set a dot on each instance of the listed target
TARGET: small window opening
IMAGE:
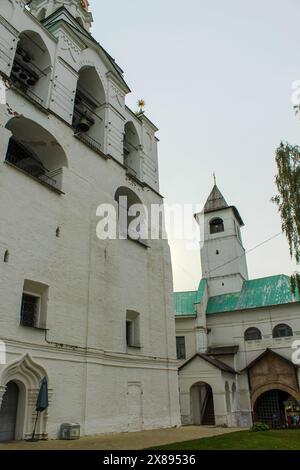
(6, 256)
(29, 310)
(216, 226)
(180, 347)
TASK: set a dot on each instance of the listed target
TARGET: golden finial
(84, 5)
(141, 104)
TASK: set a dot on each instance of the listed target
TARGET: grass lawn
(243, 440)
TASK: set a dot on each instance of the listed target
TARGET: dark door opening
(202, 405)
(8, 413)
(270, 408)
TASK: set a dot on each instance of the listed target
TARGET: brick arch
(271, 371)
(274, 386)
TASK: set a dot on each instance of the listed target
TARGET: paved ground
(124, 441)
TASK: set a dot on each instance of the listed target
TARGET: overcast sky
(217, 79)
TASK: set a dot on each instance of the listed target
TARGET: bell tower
(79, 9)
(223, 258)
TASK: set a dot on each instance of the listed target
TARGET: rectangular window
(180, 346)
(133, 329)
(129, 333)
(29, 310)
(34, 305)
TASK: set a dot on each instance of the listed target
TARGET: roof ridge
(185, 292)
(266, 277)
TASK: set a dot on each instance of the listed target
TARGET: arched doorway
(17, 405)
(202, 404)
(269, 408)
(8, 412)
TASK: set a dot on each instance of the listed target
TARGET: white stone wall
(187, 327)
(222, 260)
(196, 372)
(227, 329)
(92, 283)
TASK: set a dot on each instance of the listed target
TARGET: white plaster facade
(214, 333)
(86, 285)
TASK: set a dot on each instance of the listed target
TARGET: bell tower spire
(223, 257)
(79, 9)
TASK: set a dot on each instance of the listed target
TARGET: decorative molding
(70, 47)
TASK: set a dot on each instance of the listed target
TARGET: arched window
(132, 217)
(36, 152)
(282, 331)
(131, 145)
(252, 334)
(89, 108)
(216, 225)
(31, 70)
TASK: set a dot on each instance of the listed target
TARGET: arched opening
(132, 159)
(89, 108)
(36, 152)
(282, 331)
(270, 408)
(202, 404)
(216, 226)
(31, 70)
(132, 217)
(252, 334)
(9, 412)
(26, 375)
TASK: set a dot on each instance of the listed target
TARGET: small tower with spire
(223, 258)
(79, 9)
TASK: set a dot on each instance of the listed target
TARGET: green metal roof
(257, 293)
(200, 291)
(185, 303)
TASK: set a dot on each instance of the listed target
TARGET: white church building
(94, 317)
(235, 335)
